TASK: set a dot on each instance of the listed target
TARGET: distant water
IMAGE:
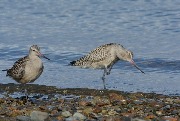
(67, 29)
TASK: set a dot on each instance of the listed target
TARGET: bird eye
(131, 54)
(33, 50)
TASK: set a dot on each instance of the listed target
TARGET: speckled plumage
(104, 57)
(18, 69)
(99, 55)
(28, 68)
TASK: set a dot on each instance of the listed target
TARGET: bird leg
(26, 94)
(24, 90)
(103, 77)
(109, 70)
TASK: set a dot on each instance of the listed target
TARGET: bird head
(35, 50)
(129, 58)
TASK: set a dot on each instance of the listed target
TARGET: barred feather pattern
(97, 55)
(18, 69)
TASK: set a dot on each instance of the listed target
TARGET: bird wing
(18, 69)
(97, 55)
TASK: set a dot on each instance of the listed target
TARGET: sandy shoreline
(85, 104)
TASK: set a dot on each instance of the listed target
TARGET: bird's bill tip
(45, 57)
(5, 70)
(134, 64)
(40, 54)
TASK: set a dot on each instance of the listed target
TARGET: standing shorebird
(28, 68)
(104, 57)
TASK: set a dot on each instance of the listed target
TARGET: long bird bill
(133, 63)
(43, 56)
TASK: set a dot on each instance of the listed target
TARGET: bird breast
(33, 69)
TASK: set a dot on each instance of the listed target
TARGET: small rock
(127, 114)
(167, 107)
(66, 114)
(3, 112)
(117, 109)
(42, 107)
(169, 100)
(150, 117)
(112, 112)
(137, 119)
(38, 116)
(174, 112)
(70, 119)
(97, 109)
(85, 103)
(53, 112)
(137, 102)
(79, 116)
(115, 97)
(113, 118)
(60, 118)
(100, 101)
(23, 118)
(159, 113)
(15, 113)
(94, 116)
(168, 118)
(104, 111)
(176, 101)
(87, 111)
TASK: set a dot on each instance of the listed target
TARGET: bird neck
(121, 53)
(33, 56)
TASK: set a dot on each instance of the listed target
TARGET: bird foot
(107, 73)
(103, 78)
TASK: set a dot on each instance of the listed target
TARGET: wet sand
(105, 105)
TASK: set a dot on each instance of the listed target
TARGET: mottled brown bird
(28, 68)
(104, 57)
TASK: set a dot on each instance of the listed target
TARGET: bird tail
(81, 63)
(5, 70)
(72, 63)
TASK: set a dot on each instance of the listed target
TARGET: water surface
(67, 30)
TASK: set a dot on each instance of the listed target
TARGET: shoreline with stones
(49, 103)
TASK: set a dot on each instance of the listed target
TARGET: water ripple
(162, 65)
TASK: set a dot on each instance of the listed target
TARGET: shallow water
(66, 30)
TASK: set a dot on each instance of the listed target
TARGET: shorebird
(28, 68)
(104, 57)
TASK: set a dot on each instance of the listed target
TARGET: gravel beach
(48, 103)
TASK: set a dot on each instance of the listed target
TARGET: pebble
(159, 113)
(112, 112)
(138, 119)
(95, 116)
(168, 118)
(38, 116)
(97, 109)
(100, 101)
(66, 114)
(104, 106)
(70, 119)
(87, 111)
(85, 103)
(23, 118)
(79, 116)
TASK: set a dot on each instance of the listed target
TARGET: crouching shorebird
(28, 68)
(104, 57)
